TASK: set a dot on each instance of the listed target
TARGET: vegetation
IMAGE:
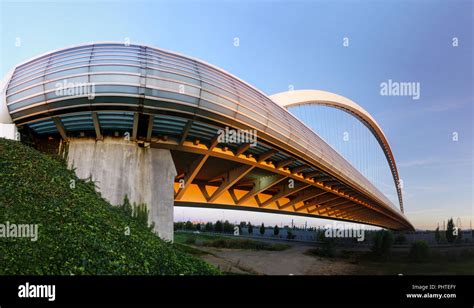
(189, 226)
(382, 244)
(419, 251)
(437, 262)
(226, 242)
(228, 227)
(459, 235)
(450, 237)
(208, 227)
(78, 231)
(327, 247)
(244, 244)
(400, 239)
(218, 227)
(276, 230)
(437, 235)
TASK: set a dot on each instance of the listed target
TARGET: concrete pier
(120, 167)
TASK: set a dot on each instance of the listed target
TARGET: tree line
(227, 227)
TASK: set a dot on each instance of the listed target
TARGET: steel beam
(260, 185)
(233, 176)
(60, 127)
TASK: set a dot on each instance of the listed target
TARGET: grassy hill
(78, 231)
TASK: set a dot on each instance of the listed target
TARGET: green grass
(226, 242)
(78, 231)
(191, 250)
(450, 262)
(437, 263)
(465, 267)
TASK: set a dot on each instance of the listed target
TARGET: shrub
(419, 251)
(190, 240)
(140, 213)
(262, 229)
(178, 226)
(244, 244)
(328, 246)
(126, 206)
(382, 245)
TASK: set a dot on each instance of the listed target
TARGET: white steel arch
(318, 97)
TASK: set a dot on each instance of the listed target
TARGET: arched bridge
(163, 100)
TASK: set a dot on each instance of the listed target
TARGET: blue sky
(300, 43)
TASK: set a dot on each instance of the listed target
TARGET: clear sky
(300, 44)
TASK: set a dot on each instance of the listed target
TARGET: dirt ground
(292, 261)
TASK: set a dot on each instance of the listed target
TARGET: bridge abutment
(120, 167)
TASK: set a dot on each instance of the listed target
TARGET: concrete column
(121, 167)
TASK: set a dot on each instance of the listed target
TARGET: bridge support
(120, 167)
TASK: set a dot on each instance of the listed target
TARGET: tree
(382, 245)
(189, 225)
(228, 227)
(450, 231)
(218, 226)
(262, 229)
(276, 230)
(208, 227)
(198, 227)
(437, 235)
(250, 228)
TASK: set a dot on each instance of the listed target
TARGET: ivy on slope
(78, 231)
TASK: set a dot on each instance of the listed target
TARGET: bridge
(150, 123)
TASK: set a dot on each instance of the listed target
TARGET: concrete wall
(121, 167)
